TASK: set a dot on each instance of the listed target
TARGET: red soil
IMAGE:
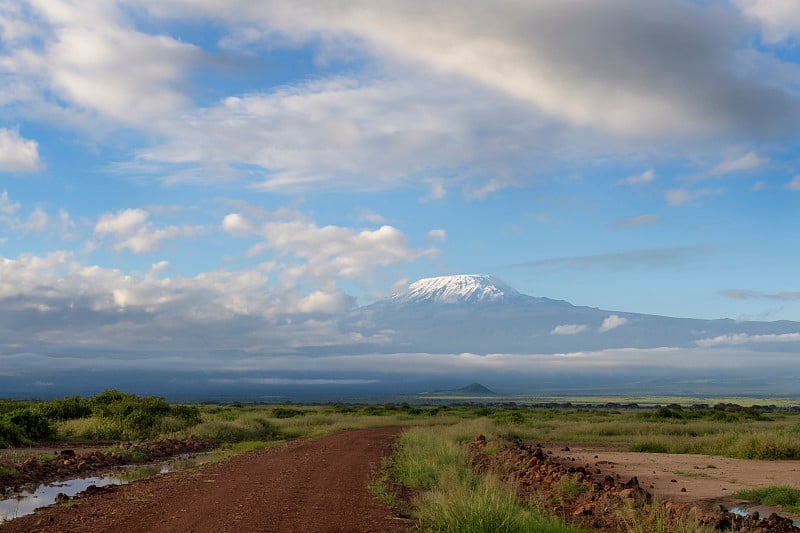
(307, 486)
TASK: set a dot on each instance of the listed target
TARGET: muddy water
(25, 502)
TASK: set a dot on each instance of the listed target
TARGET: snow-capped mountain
(481, 314)
(473, 288)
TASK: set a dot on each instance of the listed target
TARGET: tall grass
(658, 518)
(452, 497)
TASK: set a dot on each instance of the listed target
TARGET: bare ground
(702, 480)
(307, 486)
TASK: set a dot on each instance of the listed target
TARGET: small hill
(473, 389)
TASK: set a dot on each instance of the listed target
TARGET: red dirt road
(307, 486)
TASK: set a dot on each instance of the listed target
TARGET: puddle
(27, 501)
(763, 511)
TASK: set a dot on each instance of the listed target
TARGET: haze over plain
(197, 193)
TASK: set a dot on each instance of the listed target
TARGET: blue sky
(224, 164)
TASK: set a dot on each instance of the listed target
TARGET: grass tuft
(786, 497)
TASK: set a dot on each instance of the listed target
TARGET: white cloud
(7, 207)
(483, 190)
(96, 60)
(400, 286)
(122, 222)
(780, 19)
(437, 235)
(436, 191)
(325, 302)
(334, 251)
(645, 177)
(148, 239)
(236, 223)
(612, 322)
(578, 62)
(677, 197)
(18, 154)
(365, 135)
(744, 163)
(569, 329)
(744, 338)
(38, 221)
(794, 184)
(368, 215)
(131, 229)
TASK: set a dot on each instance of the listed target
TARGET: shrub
(69, 408)
(137, 416)
(34, 426)
(283, 412)
(11, 435)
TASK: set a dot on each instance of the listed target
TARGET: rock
(584, 510)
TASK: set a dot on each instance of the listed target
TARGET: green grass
(5, 471)
(485, 505)
(251, 445)
(657, 518)
(569, 487)
(380, 482)
(452, 497)
(786, 497)
(649, 447)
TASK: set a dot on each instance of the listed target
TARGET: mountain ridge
(479, 314)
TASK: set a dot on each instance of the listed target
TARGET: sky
(185, 174)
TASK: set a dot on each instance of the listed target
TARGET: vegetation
(452, 497)
(722, 429)
(786, 497)
(431, 459)
(657, 518)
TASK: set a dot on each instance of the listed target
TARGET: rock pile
(587, 496)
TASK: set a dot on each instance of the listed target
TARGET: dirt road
(309, 486)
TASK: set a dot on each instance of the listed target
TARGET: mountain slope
(482, 315)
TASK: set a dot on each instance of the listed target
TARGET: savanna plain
(462, 465)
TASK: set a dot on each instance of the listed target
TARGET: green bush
(11, 435)
(69, 408)
(34, 426)
(188, 413)
(137, 416)
(284, 412)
